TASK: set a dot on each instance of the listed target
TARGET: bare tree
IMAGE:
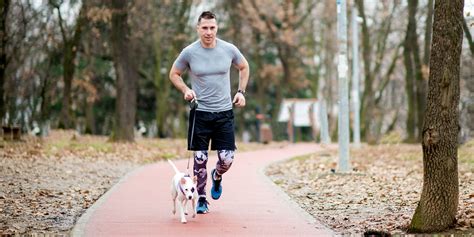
(281, 23)
(172, 19)
(438, 204)
(4, 6)
(21, 37)
(421, 84)
(409, 46)
(468, 104)
(468, 36)
(422, 76)
(126, 74)
(374, 51)
(70, 48)
(428, 34)
(327, 90)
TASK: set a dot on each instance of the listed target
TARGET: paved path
(250, 205)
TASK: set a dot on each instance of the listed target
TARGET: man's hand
(189, 95)
(239, 100)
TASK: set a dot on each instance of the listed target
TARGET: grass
(301, 158)
(466, 154)
(53, 146)
(413, 154)
(169, 156)
(61, 143)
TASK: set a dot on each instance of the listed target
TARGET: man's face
(207, 30)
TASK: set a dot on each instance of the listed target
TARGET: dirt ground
(46, 184)
(381, 194)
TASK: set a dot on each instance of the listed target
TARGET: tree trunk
(409, 61)
(162, 93)
(420, 82)
(469, 80)
(70, 52)
(422, 77)
(329, 51)
(166, 116)
(90, 117)
(5, 4)
(261, 85)
(46, 95)
(367, 102)
(438, 204)
(68, 74)
(126, 75)
(428, 33)
(468, 36)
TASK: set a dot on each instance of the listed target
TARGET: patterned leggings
(225, 159)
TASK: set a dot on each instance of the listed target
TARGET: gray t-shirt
(209, 69)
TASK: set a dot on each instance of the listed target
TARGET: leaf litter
(381, 193)
(46, 184)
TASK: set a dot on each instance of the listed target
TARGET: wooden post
(11, 133)
(312, 121)
(291, 120)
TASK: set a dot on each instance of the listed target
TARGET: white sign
(302, 115)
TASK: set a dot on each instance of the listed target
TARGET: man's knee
(200, 157)
(226, 157)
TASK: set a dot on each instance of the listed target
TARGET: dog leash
(193, 105)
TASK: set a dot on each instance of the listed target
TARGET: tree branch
(60, 18)
(307, 13)
(386, 78)
(468, 35)
(382, 44)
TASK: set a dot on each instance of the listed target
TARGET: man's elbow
(244, 66)
(173, 74)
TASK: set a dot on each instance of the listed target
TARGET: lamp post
(355, 77)
(342, 68)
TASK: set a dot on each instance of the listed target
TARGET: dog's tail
(174, 166)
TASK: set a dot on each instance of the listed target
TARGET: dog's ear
(183, 181)
(195, 179)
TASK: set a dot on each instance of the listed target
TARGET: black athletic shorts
(217, 127)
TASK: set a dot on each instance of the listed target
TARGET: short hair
(206, 15)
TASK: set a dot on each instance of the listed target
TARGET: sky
(469, 9)
(208, 4)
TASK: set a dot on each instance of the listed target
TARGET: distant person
(208, 61)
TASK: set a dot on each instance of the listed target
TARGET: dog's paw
(173, 211)
(194, 215)
(183, 222)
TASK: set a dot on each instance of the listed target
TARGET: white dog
(184, 189)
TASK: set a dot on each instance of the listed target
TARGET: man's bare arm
(244, 72)
(178, 82)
